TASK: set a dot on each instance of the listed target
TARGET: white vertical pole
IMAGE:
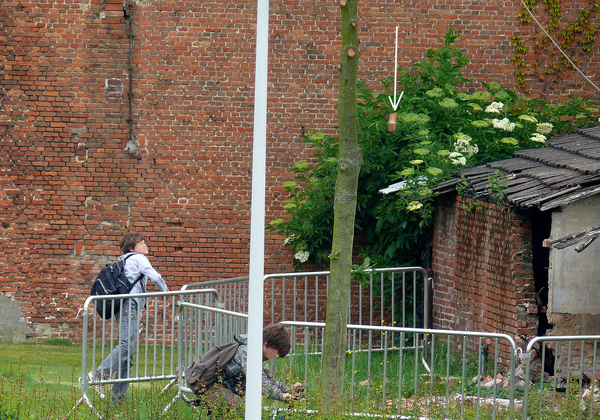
(257, 217)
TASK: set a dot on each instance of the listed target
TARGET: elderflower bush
(458, 129)
(442, 127)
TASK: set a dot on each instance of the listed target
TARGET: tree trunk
(349, 163)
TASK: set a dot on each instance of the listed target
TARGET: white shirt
(138, 264)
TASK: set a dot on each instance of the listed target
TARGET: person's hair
(277, 337)
(130, 240)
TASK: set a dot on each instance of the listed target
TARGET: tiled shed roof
(568, 170)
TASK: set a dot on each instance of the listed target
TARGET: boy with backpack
(137, 269)
(224, 383)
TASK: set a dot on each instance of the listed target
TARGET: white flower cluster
(539, 138)
(494, 107)
(544, 128)
(457, 158)
(414, 206)
(302, 256)
(528, 118)
(463, 145)
(504, 124)
(289, 239)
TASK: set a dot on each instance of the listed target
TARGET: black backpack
(112, 281)
(205, 369)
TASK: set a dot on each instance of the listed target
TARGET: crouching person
(219, 376)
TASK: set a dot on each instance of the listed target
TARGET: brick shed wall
(68, 190)
(569, 360)
(482, 269)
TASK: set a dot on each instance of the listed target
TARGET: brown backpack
(205, 369)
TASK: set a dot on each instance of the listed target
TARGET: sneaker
(99, 388)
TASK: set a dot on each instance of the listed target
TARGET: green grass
(54, 365)
(40, 381)
(367, 390)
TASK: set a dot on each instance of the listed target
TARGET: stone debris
(489, 381)
(591, 393)
(488, 401)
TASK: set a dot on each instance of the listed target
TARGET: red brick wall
(569, 359)
(68, 190)
(482, 269)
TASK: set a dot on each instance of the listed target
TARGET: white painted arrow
(395, 102)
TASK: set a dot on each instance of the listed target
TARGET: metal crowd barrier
(154, 352)
(410, 371)
(303, 296)
(467, 374)
(393, 372)
(565, 369)
(194, 327)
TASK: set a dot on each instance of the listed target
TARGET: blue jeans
(120, 360)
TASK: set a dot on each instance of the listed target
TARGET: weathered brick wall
(482, 269)
(68, 190)
(575, 357)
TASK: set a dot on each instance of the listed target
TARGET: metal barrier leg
(175, 398)
(172, 402)
(425, 352)
(84, 399)
(180, 396)
(169, 385)
(77, 404)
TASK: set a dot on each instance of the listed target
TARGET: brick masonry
(69, 191)
(482, 263)
(569, 360)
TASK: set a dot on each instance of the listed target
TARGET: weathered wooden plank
(569, 198)
(534, 192)
(522, 186)
(515, 165)
(474, 171)
(586, 236)
(573, 143)
(593, 132)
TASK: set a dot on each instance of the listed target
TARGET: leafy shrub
(442, 127)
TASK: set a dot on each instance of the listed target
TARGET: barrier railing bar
(112, 323)
(593, 376)
(558, 340)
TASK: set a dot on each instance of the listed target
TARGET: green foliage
(473, 206)
(498, 187)
(362, 272)
(570, 405)
(310, 202)
(442, 127)
(575, 34)
(462, 185)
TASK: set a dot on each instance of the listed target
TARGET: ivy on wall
(573, 29)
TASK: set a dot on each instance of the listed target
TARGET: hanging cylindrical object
(392, 121)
